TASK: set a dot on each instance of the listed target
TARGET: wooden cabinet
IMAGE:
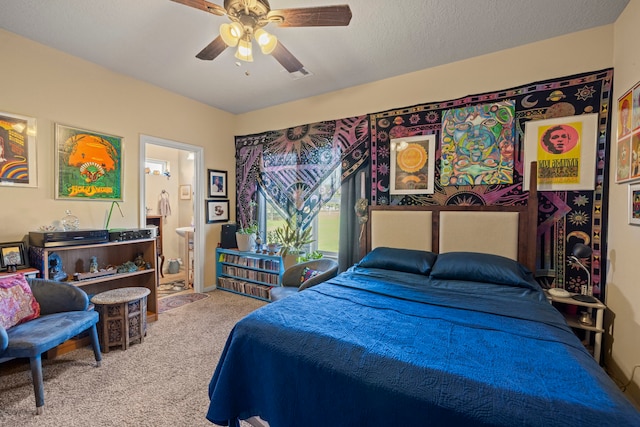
(76, 259)
(248, 273)
(156, 220)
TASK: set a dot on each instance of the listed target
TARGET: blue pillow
(407, 260)
(478, 267)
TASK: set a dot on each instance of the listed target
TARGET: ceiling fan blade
(213, 49)
(323, 16)
(286, 58)
(204, 5)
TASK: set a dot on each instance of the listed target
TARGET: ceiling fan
(248, 17)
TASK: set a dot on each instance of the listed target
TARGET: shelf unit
(248, 273)
(596, 314)
(75, 259)
(156, 220)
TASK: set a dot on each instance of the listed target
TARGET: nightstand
(594, 309)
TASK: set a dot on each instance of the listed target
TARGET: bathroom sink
(183, 230)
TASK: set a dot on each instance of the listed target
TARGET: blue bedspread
(380, 348)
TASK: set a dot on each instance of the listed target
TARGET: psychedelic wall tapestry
(88, 165)
(289, 165)
(483, 175)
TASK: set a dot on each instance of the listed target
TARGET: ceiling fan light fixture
(244, 52)
(266, 41)
(231, 33)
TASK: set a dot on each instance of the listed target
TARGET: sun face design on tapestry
(477, 145)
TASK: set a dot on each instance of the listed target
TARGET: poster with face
(565, 149)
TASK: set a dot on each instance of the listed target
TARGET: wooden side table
(123, 316)
(573, 321)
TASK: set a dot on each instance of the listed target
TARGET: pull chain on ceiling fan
(248, 17)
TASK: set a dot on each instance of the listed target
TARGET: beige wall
(575, 53)
(54, 87)
(623, 284)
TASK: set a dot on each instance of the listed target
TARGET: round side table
(123, 316)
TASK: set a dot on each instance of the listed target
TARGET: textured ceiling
(156, 41)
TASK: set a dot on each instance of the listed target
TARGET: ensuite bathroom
(169, 203)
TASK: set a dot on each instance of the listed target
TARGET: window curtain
(353, 198)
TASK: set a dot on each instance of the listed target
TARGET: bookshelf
(248, 273)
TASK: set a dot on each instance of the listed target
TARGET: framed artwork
(185, 192)
(477, 144)
(413, 165)
(565, 149)
(88, 164)
(628, 150)
(17, 151)
(217, 183)
(634, 204)
(12, 254)
(217, 211)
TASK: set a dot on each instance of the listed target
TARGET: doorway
(171, 191)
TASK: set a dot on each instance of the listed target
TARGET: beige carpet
(161, 382)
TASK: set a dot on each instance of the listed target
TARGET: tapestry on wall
(291, 164)
(481, 162)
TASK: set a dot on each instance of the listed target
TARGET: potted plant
(246, 233)
(292, 239)
(273, 245)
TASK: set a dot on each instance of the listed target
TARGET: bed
(419, 336)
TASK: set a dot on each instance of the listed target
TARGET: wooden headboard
(509, 231)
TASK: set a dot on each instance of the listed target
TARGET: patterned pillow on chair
(17, 303)
(307, 274)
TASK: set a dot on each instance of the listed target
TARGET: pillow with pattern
(307, 274)
(17, 303)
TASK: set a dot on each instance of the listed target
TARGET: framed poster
(413, 165)
(12, 255)
(628, 149)
(185, 192)
(88, 164)
(17, 150)
(634, 204)
(217, 211)
(217, 183)
(565, 149)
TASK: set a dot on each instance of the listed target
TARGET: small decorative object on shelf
(70, 222)
(56, 271)
(93, 265)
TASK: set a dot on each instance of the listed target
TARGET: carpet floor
(171, 288)
(161, 382)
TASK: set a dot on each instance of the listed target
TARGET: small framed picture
(634, 204)
(217, 183)
(217, 211)
(413, 165)
(12, 255)
(185, 192)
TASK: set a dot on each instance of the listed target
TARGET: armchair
(292, 277)
(63, 315)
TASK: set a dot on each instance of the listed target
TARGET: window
(326, 224)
